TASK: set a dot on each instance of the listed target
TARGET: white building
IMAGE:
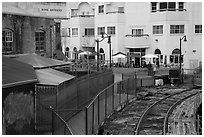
(77, 32)
(139, 28)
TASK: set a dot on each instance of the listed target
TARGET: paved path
(77, 123)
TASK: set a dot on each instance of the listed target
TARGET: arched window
(102, 55)
(175, 57)
(75, 54)
(67, 52)
(40, 41)
(158, 53)
(101, 50)
(7, 41)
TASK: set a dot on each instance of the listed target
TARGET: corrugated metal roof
(52, 77)
(38, 61)
(16, 73)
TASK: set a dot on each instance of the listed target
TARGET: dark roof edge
(19, 83)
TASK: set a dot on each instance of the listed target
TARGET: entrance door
(193, 64)
(137, 62)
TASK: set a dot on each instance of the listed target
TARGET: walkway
(77, 123)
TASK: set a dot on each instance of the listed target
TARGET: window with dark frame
(154, 6)
(171, 6)
(101, 30)
(198, 28)
(89, 31)
(40, 41)
(138, 32)
(65, 32)
(163, 6)
(181, 6)
(7, 41)
(158, 29)
(176, 29)
(111, 30)
(101, 9)
(74, 31)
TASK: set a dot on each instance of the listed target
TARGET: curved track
(153, 120)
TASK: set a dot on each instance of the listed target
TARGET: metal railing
(106, 102)
(59, 126)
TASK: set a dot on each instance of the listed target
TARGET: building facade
(31, 27)
(140, 28)
(77, 32)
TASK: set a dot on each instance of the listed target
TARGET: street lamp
(184, 39)
(109, 42)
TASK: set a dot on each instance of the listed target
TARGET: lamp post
(184, 39)
(97, 42)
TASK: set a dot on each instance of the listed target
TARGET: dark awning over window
(16, 73)
(176, 51)
(157, 51)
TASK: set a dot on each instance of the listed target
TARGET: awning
(16, 73)
(119, 55)
(136, 47)
(52, 77)
(38, 61)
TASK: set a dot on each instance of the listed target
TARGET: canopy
(52, 77)
(16, 73)
(85, 53)
(38, 61)
(150, 56)
(119, 55)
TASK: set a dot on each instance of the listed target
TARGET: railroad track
(154, 119)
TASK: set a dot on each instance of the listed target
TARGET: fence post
(35, 108)
(105, 102)
(52, 109)
(86, 120)
(120, 92)
(127, 84)
(93, 119)
(98, 111)
(113, 89)
(141, 82)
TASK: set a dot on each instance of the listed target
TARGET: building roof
(16, 73)
(52, 77)
(38, 61)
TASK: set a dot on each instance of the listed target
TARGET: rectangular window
(138, 32)
(198, 28)
(101, 9)
(7, 40)
(89, 31)
(158, 29)
(40, 41)
(181, 6)
(121, 9)
(176, 29)
(74, 31)
(163, 6)
(111, 30)
(65, 32)
(154, 6)
(101, 30)
(171, 6)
